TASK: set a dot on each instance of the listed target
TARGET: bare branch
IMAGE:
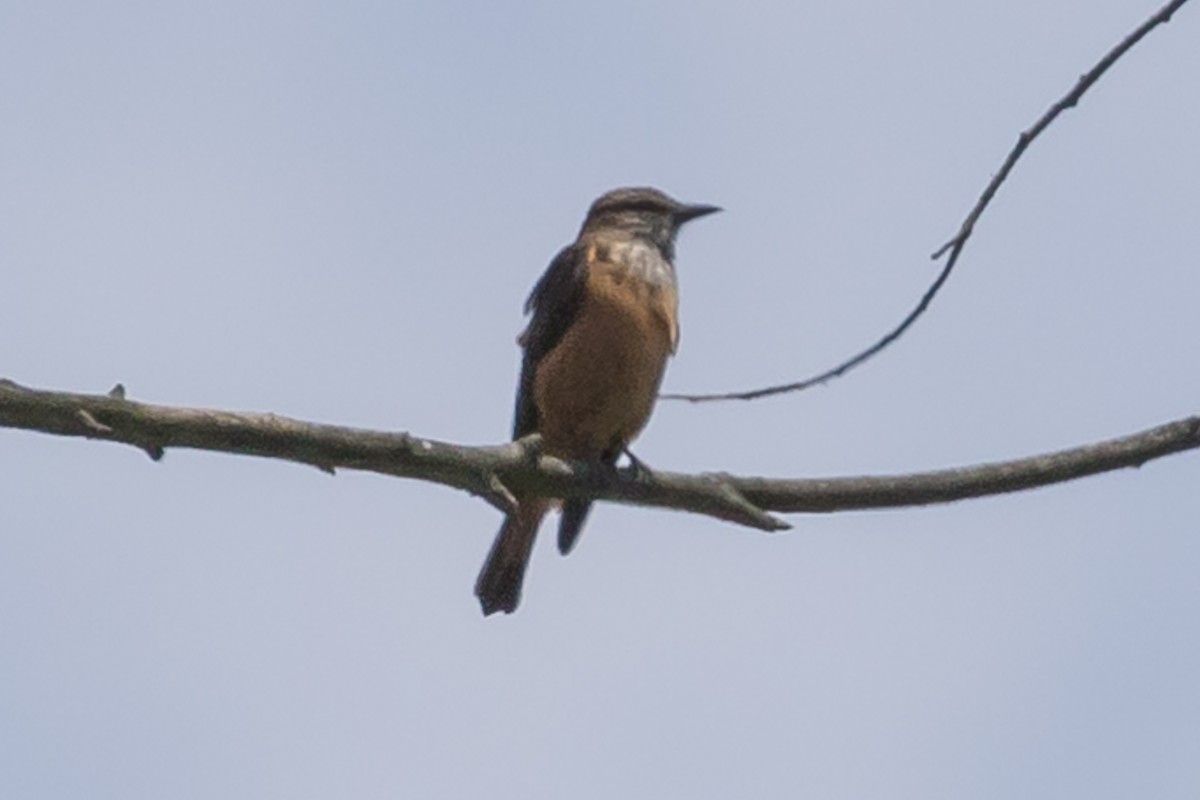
(958, 242)
(503, 473)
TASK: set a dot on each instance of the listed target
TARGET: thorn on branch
(117, 392)
(741, 510)
(639, 468)
(155, 451)
(93, 424)
(499, 496)
(941, 251)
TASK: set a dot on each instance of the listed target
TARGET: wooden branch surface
(502, 473)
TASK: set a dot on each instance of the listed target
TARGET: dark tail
(575, 512)
(499, 584)
(570, 525)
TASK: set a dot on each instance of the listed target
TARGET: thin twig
(956, 244)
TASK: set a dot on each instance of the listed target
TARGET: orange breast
(595, 390)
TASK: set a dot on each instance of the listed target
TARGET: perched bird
(605, 320)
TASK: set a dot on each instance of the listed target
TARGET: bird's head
(643, 212)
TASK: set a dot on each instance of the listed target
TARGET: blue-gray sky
(335, 211)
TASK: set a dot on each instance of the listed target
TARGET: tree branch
(959, 241)
(501, 474)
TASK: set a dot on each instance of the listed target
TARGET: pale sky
(335, 211)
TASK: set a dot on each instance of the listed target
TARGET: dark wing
(554, 302)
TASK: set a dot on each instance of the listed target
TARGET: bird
(604, 319)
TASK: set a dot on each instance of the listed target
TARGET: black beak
(689, 213)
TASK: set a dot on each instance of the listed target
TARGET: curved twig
(956, 244)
